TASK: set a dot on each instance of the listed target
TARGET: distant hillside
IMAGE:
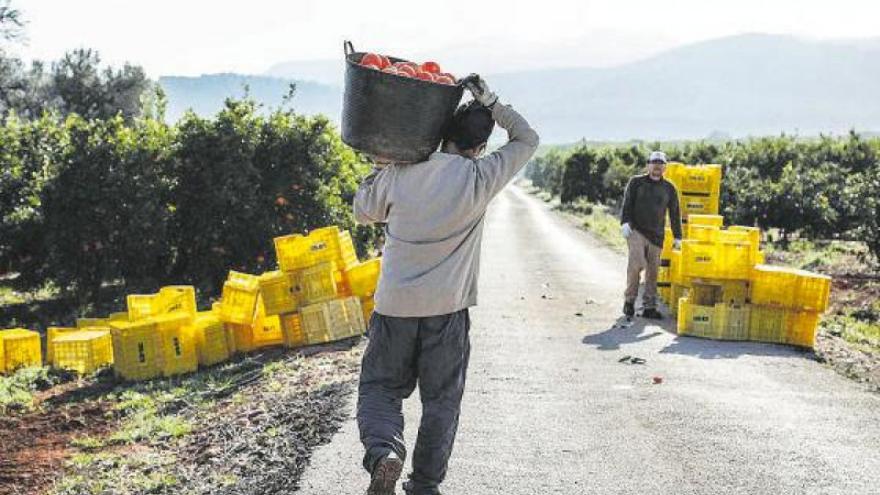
(735, 86)
(205, 94)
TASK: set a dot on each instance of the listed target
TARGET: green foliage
(143, 203)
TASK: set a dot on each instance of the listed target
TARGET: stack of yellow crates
(699, 188)
(330, 292)
(156, 339)
(19, 348)
(717, 284)
(321, 293)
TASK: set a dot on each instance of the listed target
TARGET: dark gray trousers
(433, 352)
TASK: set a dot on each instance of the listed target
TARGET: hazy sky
(190, 37)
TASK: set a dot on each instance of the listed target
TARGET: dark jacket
(645, 204)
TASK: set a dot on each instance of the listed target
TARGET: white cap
(657, 156)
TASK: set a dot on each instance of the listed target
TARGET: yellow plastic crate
(83, 351)
(675, 272)
(802, 326)
(354, 313)
(278, 292)
(710, 220)
(137, 349)
(262, 332)
(241, 337)
(318, 283)
(119, 316)
(698, 204)
(19, 348)
(367, 305)
(92, 322)
(363, 278)
(664, 291)
(703, 233)
(704, 179)
(267, 329)
(292, 330)
(676, 292)
(719, 321)
(295, 252)
(707, 292)
(668, 239)
(722, 260)
(663, 275)
(790, 288)
(169, 299)
(178, 298)
(332, 320)
(210, 337)
(54, 332)
(142, 306)
(177, 343)
(239, 299)
(783, 326)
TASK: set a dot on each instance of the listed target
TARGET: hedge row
(91, 202)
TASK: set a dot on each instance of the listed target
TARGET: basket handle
(347, 47)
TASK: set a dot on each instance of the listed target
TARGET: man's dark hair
(471, 126)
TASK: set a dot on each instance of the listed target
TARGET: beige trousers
(642, 256)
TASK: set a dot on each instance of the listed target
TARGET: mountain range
(754, 84)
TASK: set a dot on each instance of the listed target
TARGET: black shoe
(652, 314)
(408, 488)
(385, 476)
(629, 309)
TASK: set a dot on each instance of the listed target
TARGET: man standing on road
(418, 334)
(647, 200)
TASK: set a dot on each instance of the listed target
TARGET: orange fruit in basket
(372, 59)
(432, 67)
(444, 79)
(406, 69)
(371, 66)
(425, 76)
(390, 70)
(385, 62)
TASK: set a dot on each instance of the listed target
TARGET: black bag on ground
(394, 118)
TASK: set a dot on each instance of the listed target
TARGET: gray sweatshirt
(433, 213)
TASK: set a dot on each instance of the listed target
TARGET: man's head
(656, 165)
(469, 130)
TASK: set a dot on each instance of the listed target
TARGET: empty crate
(319, 283)
(363, 278)
(239, 299)
(292, 330)
(209, 334)
(278, 291)
(83, 351)
(295, 252)
(19, 348)
(790, 288)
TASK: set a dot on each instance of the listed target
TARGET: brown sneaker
(385, 476)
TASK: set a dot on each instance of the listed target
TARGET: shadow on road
(621, 333)
(725, 349)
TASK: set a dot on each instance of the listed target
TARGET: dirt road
(549, 409)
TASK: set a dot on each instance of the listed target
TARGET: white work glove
(676, 244)
(626, 230)
(478, 87)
